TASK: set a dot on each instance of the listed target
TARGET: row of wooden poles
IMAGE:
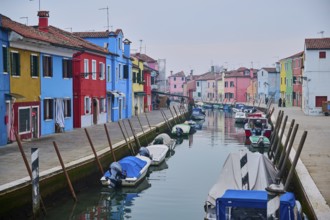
(279, 155)
(178, 114)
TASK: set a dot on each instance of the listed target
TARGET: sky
(192, 35)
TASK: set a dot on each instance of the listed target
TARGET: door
(319, 100)
(95, 111)
(109, 108)
(120, 104)
(35, 122)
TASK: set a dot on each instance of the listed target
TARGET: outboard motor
(179, 131)
(159, 140)
(258, 131)
(145, 152)
(116, 174)
(261, 142)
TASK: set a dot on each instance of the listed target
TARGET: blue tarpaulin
(132, 166)
(252, 202)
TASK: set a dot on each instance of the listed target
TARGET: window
(182, 78)
(67, 68)
(94, 69)
(102, 70)
(5, 58)
(134, 77)
(174, 78)
(47, 65)
(322, 55)
(87, 105)
(102, 105)
(15, 63)
(226, 84)
(199, 94)
(117, 73)
(24, 119)
(86, 69)
(67, 108)
(294, 80)
(109, 73)
(208, 85)
(139, 76)
(126, 71)
(174, 86)
(197, 84)
(232, 84)
(34, 62)
(48, 109)
(119, 43)
(262, 73)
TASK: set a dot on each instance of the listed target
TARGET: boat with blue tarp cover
(198, 114)
(128, 171)
(252, 204)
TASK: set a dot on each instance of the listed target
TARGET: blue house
(118, 71)
(4, 85)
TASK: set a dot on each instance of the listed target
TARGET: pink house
(175, 83)
(236, 83)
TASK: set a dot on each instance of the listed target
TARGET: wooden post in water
(128, 137)
(145, 136)
(286, 144)
(65, 172)
(19, 143)
(165, 120)
(279, 142)
(294, 163)
(281, 172)
(35, 182)
(127, 143)
(177, 116)
(109, 141)
(275, 140)
(173, 117)
(133, 131)
(95, 154)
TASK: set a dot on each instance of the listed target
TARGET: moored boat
(240, 117)
(182, 129)
(257, 124)
(156, 153)
(259, 141)
(128, 171)
(198, 114)
(164, 138)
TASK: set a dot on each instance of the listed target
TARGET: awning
(140, 93)
(115, 94)
(14, 96)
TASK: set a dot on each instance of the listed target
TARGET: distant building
(316, 75)
(268, 83)
(175, 82)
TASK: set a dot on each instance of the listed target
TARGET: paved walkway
(313, 168)
(73, 146)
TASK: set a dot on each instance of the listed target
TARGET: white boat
(182, 129)
(128, 171)
(240, 117)
(261, 174)
(157, 153)
(164, 138)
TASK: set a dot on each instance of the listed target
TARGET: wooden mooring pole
(127, 143)
(95, 154)
(109, 141)
(279, 142)
(173, 117)
(285, 144)
(135, 137)
(164, 117)
(145, 136)
(19, 143)
(65, 172)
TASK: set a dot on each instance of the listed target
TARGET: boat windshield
(245, 213)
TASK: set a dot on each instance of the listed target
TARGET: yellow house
(24, 105)
(283, 71)
(138, 89)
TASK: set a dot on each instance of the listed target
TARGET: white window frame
(27, 131)
(94, 69)
(87, 105)
(48, 109)
(38, 67)
(66, 110)
(102, 105)
(86, 68)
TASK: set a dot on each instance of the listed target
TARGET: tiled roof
(54, 36)
(300, 54)
(179, 74)
(269, 69)
(144, 57)
(317, 43)
(96, 34)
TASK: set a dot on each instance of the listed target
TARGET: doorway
(95, 110)
(109, 109)
(120, 104)
(35, 122)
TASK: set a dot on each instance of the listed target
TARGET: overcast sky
(192, 34)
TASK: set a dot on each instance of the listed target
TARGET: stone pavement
(73, 146)
(313, 168)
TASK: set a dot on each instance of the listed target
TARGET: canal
(175, 190)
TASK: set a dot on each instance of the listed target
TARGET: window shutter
(51, 105)
(18, 66)
(125, 71)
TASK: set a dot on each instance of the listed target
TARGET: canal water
(175, 190)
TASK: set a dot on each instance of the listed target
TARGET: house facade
(175, 83)
(297, 67)
(268, 83)
(118, 71)
(236, 83)
(316, 75)
(137, 90)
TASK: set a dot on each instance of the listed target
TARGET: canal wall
(16, 197)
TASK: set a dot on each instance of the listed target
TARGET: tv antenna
(321, 32)
(107, 8)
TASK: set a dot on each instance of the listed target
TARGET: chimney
(251, 73)
(191, 72)
(171, 72)
(43, 20)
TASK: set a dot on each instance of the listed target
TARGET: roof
(300, 54)
(179, 74)
(317, 43)
(144, 57)
(93, 34)
(269, 69)
(54, 36)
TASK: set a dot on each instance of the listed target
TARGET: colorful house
(118, 71)
(175, 83)
(316, 75)
(236, 83)
(297, 68)
(268, 83)
(138, 89)
(39, 66)
(5, 96)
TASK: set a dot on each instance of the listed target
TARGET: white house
(316, 75)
